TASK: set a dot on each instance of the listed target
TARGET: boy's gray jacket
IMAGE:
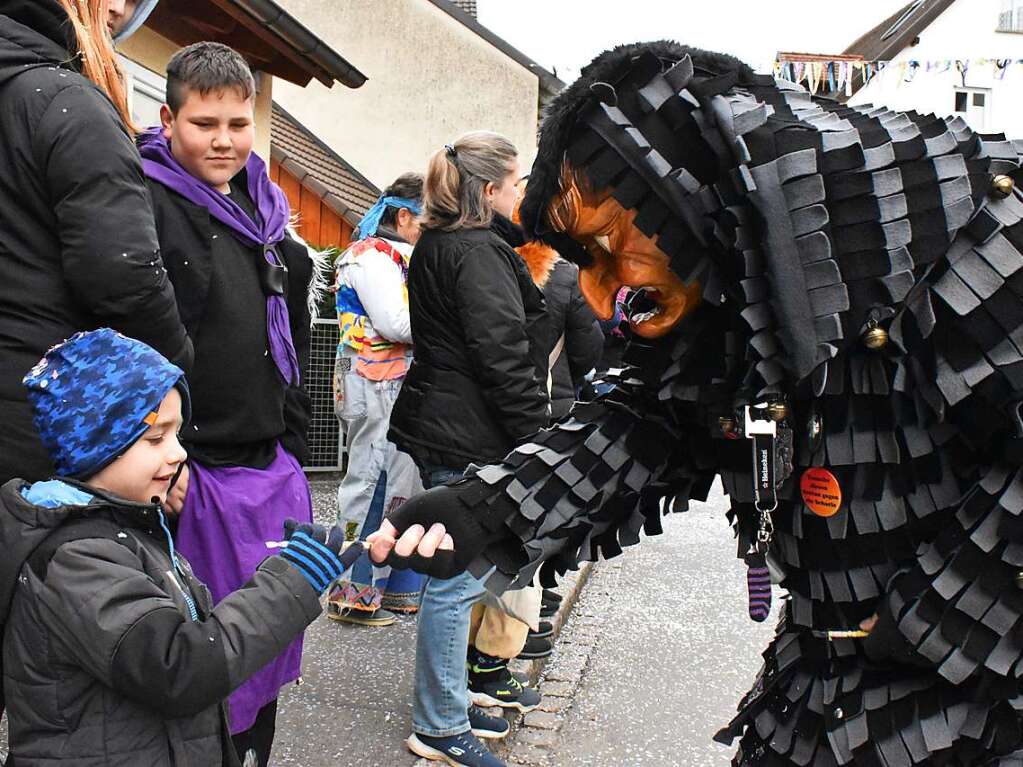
(103, 663)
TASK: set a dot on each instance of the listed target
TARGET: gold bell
(778, 411)
(875, 338)
(1019, 580)
(727, 425)
(1002, 186)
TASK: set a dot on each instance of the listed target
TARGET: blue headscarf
(368, 226)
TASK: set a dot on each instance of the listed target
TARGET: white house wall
(967, 30)
(430, 79)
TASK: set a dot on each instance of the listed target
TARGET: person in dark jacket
(242, 285)
(474, 390)
(113, 650)
(78, 247)
(573, 338)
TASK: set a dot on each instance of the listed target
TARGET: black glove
(441, 504)
(316, 552)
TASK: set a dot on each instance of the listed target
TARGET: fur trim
(560, 116)
(540, 259)
(319, 283)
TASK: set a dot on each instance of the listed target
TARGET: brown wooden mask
(622, 256)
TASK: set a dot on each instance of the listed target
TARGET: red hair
(96, 49)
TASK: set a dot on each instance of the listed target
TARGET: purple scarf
(272, 212)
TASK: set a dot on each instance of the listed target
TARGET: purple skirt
(229, 515)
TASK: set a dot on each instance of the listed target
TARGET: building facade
(276, 46)
(434, 73)
(959, 57)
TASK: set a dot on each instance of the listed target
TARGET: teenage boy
(242, 285)
(113, 651)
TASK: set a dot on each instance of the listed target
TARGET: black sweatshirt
(241, 406)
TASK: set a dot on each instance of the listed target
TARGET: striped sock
(758, 586)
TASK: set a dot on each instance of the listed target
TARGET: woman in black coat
(78, 246)
(477, 385)
(476, 388)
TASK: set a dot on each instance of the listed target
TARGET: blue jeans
(363, 570)
(441, 693)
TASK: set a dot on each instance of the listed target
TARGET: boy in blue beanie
(113, 651)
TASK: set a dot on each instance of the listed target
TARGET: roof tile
(341, 187)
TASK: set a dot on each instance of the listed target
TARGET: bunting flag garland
(835, 77)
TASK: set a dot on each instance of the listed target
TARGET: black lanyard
(762, 431)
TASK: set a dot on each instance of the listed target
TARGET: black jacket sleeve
(584, 340)
(298, 408)
(127, 632)
(489, 304)
(109, 247)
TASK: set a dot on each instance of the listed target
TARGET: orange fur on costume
(539, 257)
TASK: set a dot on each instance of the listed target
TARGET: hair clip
(451, 151)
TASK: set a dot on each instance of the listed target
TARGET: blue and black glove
(316, 553)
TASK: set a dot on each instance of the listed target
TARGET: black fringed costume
(861, 272)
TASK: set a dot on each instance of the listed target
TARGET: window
(973, 105)
(1011, 17)
(146, 92)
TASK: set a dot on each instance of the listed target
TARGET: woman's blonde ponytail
(442, 188)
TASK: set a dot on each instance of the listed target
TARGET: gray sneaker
(463, 750)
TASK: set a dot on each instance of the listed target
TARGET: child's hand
(317, 552)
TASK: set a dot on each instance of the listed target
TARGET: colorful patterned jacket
(372, 307)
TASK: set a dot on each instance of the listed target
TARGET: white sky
(567, 34)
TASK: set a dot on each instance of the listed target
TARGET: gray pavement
(668, 649)
(354, 707)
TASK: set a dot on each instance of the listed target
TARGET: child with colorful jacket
(373, 355)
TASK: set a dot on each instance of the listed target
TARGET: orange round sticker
(821, 492)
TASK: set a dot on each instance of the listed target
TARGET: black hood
(33, 33)
(772, 200)
(23, 526)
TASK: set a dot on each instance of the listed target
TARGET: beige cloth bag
(522, 604)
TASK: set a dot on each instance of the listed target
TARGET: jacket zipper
(178, 575)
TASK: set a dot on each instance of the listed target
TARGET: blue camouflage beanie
(92, 397)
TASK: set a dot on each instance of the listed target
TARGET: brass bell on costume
(727, 425)
(778, 411)
(1002, 185)
(875, 338)
(1019, 580)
